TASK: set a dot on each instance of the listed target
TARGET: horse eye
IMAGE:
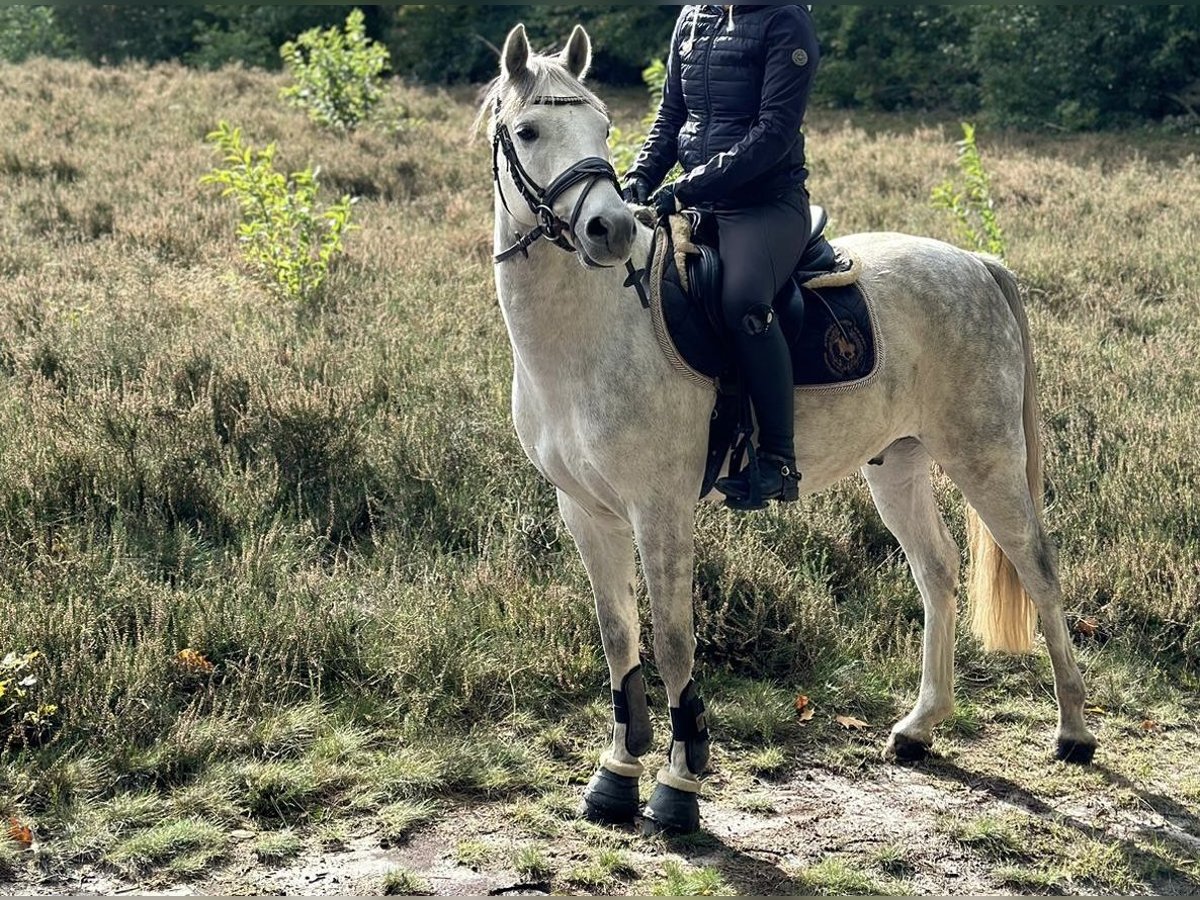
(527, 133)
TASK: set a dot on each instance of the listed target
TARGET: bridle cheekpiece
(550, 225)
(541, 200)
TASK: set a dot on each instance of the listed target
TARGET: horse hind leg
(996, 484)
(605, 543)
(903, 494)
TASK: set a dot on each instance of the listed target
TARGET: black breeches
(760, 247)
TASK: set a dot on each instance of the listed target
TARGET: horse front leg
(605, 543)
(665, 542)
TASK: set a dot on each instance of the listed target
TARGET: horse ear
(577, 55)
(514, 59)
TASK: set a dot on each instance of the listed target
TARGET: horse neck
(564, 319)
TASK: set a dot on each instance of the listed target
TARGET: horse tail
(1002, 615)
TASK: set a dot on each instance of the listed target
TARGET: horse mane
(544, 77)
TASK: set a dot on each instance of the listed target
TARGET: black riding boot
(766, 367)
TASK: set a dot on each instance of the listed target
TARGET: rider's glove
(637, 191)
(664, 200)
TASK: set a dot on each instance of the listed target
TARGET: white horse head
(555, 123)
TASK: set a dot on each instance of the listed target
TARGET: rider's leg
(760, 247)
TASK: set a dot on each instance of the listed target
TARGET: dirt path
(989, 819)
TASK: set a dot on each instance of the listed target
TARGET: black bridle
(591, 169)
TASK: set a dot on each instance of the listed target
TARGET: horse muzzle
(607, 239)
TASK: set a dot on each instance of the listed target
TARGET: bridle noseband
(541, 200)
(550, 225)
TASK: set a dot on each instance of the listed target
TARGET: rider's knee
(756, 321)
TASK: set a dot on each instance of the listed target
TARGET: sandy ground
(815, 814)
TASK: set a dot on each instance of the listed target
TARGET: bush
(894, 57)
(449, 44)
(24, 718)
(254, 34)
(285, 237)
(112, 33)
(208, 36)
(338, 74)
(624, 146)
(1079, 67)
(971, 202)
(27, 31)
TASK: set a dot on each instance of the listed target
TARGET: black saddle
(704, 277)
(828, 329)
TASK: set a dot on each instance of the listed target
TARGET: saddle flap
(704, 282)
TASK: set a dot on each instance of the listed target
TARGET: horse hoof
(1079, 752)
(610, 798)
(671, 811)
(902, 748)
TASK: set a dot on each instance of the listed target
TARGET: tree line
(1072, 67)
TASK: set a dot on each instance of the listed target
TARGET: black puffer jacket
(738, 80)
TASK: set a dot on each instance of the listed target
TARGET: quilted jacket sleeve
(661, 149)
(791, 62)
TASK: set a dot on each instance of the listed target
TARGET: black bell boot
(612, 794)
(610, 798)
(674, 808)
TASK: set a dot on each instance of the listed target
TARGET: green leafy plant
(286, 237)
(625, 145)
(970, 202)
(27, 31)
(24, 718)
(338, 73)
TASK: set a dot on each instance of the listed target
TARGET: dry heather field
(396, 681)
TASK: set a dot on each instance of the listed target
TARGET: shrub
(971, 202)
(625, 146)
(445, 44)
(338, 74)
(24, 719)
(1082, 67)
(27, 31)
(285, 237)
(896, 57)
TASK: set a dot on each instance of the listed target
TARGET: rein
(540, 201)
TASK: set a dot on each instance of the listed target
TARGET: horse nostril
(597, 228)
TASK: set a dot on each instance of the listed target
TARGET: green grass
(183, 846)
(277, 846)
(400, 819)
(10, 861)
(473, 853)
(1000, 837)
(330, 506)
(839, 878)
(893, 859)
(604, 871)
(531, 862)
(678, 881)
(403, 883)
(769, 761)
(1031, 880)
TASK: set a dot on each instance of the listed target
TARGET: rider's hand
(664, 200)
(637, 191)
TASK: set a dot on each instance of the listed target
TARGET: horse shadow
(747, 874)
(1166, 874)
(745, 869)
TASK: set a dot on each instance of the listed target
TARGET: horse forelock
(544, 77)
